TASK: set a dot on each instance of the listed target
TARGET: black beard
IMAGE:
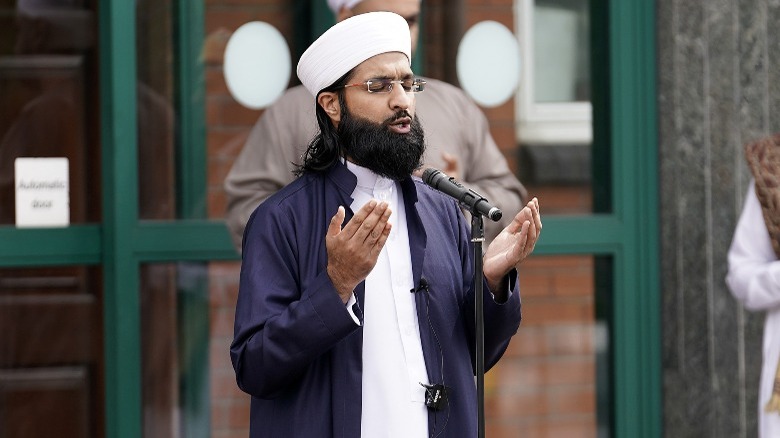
(375, 147)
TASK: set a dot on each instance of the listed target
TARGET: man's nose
(399, 98)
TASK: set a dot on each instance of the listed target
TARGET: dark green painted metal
(593, 234)
(192, 164)
(190, 110)
(635, 190)
(121, 312)
(629, 235)
(183, 240)
(322, 19)
(601, 156)
(601, 159)
(74, 245)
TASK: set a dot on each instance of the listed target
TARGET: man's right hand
(354, 250)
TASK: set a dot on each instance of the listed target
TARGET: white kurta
(393, 363)
(754, 279)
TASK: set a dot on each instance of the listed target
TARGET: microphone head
(429, 175)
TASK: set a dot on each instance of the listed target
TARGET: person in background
(754, 269)
(458, 136)
(355, 312)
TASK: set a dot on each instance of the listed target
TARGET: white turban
(337, 5)
(350, 42)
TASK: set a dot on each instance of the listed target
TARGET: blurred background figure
(754, 269)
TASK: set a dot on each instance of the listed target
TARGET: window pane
(189, 389)
(51, 351)
(156, 110)
(174, 342)
(561, 51)
(553, 379)
(48, 105)
(564, 154)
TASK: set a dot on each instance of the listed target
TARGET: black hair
(324, 149)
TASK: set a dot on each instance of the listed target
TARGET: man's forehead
(390, 64)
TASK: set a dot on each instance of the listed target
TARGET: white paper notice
(42, 192)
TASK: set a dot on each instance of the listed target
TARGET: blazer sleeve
(282, 322)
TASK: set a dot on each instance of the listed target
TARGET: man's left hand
(512, 245)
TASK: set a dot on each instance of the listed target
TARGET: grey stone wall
(719, 88)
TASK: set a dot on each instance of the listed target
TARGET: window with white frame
(553, 100)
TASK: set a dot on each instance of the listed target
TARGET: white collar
(367, 180)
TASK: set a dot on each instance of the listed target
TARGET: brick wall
(545, 384)
(228, 124)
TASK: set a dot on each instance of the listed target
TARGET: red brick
(218, 170)
(222, 321)
(239, 413)
(570, 340)
(504, 112)
(574, 427)
(515, 404)
(563, 199)
(233, 18)
(578, 282)
(226, 112)
(476, 15)
(226, 142)
(557, 311)
(504, 135)
(224, 386)
(535, 283)
(214, 44)
(569, 371)
(217, 204)
(238, 433)
(215, 82)
(219, 352)
(577, 400)
(527, 342)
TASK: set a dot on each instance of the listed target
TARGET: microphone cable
(424, 286)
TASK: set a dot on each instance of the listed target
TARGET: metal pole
(477, 237)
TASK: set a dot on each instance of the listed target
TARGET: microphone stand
(477, 237)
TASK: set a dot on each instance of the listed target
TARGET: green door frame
(629, 235)
(128, 242)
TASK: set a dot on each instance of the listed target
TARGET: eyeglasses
(410, 85)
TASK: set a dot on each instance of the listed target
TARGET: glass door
(51, 291)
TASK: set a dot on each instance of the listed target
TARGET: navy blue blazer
(297, 351)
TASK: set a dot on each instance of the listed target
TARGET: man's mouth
(401, 125)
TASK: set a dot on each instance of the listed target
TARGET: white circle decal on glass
(257, 64)
(488, 63)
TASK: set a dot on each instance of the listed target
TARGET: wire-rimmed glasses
(385, 85)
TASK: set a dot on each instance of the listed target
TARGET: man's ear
(329, 101)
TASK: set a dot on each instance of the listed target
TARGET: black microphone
(468, 198)
(423, 286)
